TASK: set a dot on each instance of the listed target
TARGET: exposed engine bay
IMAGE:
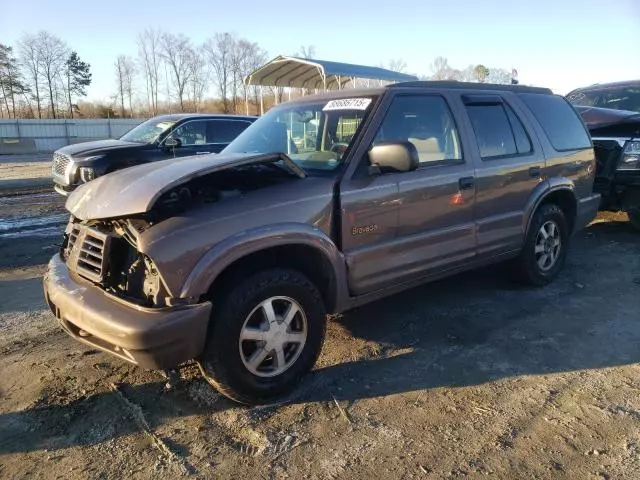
(106, 251)
(217, 187)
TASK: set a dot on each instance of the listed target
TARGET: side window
(523, 142)
(224, 131)
(493, 130)
(559, 120)
(346, 127)
(425, 121)
(191, 133)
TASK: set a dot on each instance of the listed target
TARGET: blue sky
(559, 44)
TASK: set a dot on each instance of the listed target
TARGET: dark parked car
(161, 137)
(612, 114)
(236, 262)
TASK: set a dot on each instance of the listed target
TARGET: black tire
(221, 363)
(526, 267)
(634, 217)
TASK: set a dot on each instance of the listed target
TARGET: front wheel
(264, 336)
(545, 248)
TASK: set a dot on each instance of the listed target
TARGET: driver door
(192, 136)
(399, 227)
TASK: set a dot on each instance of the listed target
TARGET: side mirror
(172, 143)
(393, 157)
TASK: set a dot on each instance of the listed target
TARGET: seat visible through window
(426, 122)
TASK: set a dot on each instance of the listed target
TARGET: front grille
(60, 164)
(88, 252)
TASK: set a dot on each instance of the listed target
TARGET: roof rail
(470, 85)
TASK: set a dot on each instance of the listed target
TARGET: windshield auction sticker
(348, 104)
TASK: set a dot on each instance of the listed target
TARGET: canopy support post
(261, 102)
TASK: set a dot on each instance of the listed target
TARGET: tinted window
(523, 143)
(493, 130)
(191, 133)
(225, 131)
(559, 120)
(426, 122)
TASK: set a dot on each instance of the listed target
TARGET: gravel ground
(467, 377)
(18, 172)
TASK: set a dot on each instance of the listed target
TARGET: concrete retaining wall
(33, 136)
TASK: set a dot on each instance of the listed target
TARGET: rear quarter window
(559, 120)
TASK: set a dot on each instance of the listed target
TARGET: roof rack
(470, 85)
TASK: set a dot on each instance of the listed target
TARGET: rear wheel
(264, 336)
(545, 248)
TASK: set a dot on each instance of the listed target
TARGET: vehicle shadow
(466, 330)
(96, 418)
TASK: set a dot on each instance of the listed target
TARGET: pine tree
(78, 78)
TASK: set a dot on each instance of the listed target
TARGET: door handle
(202, 153)
(535, 172)
(466, 183)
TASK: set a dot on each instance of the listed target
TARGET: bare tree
(499, 75)
(51, 55)
(149, 55)
(441, 70)
(243, 62)
(198, 77)
(120, 66)
(177, 52)
(306, 52)
(129, 72)
(28, 55)
(397, 65)
(220, 55)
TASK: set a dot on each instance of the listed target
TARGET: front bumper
(586, 211)
(149, 337)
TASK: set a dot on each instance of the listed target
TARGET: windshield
(314, 135)
(147, 132)
(617, 98)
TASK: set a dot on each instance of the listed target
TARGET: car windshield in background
(147, 132)
(314, 135)
(617, 98)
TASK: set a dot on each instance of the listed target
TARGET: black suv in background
(612, 114)
(159, 138)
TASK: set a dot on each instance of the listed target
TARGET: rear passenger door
(510, 165)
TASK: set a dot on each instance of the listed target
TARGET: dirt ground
(467, 377)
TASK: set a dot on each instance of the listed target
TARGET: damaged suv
(612, 114)
(323, 204)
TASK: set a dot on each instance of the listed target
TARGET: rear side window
(225, 131)
(523, 143)
(493, 130)
(559, 121)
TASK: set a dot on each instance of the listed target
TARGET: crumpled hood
(596, 117)
(134, 190)
(98, 146)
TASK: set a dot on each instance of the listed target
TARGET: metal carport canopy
(296, 72)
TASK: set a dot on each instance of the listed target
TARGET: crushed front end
(616, 141)
(107, 294)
